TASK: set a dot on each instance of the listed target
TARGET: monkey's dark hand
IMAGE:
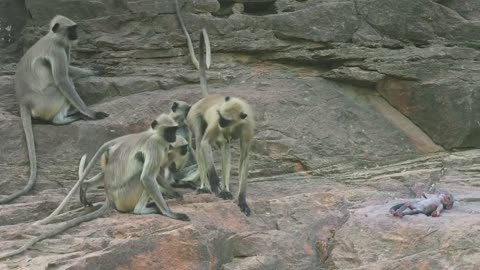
(100, 115)
(98, 70)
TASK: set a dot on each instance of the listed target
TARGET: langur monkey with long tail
(216, 121)
(45, 90)
(132, 164)
(181, 169)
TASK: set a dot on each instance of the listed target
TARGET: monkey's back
(122, 173)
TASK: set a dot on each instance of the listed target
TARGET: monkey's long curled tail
(203, 65)
(82, 174)
(62, 205)
(27, 128)
(189, 41)
(107, 205)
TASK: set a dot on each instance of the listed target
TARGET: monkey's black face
(169, 134)
(72, 32)
(222, 122)
(447, 201)
(184, 150)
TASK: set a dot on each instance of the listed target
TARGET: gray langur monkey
(217, 120)
(177, 155)
(45, 90)
(187, 175)
(430, 206)
(132, 164)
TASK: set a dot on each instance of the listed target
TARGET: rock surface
(357, 104)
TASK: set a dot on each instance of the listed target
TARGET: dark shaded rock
(13, 16)
(41, 11)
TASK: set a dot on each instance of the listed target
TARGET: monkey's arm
(437, 211)
(58, 62)
(77, 73)
(149, 181)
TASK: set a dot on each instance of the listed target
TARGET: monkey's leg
(187, 177)
(213, 178)
(62, 117)
(397, 210)
(412, 212)
(166, 188)
(201, 163)
(141, 206)
(90, 184)
(244, 157)
(184, 173)
(226, 159)
(150, 185)
(153, 191)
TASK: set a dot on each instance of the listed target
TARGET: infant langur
(45, 90)
(432, 206)
(186, 173)
(177, 155)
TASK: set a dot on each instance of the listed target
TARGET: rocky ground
(360, 104)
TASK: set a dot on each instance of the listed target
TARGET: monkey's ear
(243, 115)
(154, 123)
(174, 106)
(55, 27)
(227, 98)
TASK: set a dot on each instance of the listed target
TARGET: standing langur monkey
(131, 166)
(217, 120)
(45, 90)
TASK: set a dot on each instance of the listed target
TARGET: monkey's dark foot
(181, 216)
(99, 70)
(203, 190)
(397, 214)
(101, 115)
(244, 207)
(83, 198)
(226, 195)
(187, 184)
(173, 195)
(37, 121)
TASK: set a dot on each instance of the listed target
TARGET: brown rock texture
(359, 104)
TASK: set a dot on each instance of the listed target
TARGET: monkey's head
(165, 127)
(447, 200)
(232, 112)
(177, 153)
(64, 30)
(179, 111)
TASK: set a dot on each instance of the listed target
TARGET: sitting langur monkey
(132, 163)
(432, 206)
(217, 120)
(44, 87)
(187, 174)
(178, 155)
(129, 165)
